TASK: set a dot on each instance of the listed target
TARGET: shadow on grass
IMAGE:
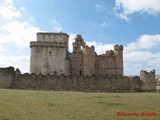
(101, 97)
(111, 104)
(114, 96)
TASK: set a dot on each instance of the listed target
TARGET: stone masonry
(49, 55)
(52, 67)
(11, 78)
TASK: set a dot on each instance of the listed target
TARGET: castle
(52, 67)
(50, 55)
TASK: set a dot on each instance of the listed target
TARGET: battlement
(48, 44)
(118, 47)
(110, 53)
(88, 49)
(52, 37)
(147, 76)
(53, 33)
(148, 80)
(11, 78)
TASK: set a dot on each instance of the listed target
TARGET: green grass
(50, 105)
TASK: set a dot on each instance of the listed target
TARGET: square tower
(48, 53)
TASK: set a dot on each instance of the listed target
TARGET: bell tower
(79, 44)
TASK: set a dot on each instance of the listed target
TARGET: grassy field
(49, 105)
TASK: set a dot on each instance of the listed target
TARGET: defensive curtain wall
(11, 78)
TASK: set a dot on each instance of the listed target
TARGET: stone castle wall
(147, 78)
(50, 54)
(85, 61)
(9, 78)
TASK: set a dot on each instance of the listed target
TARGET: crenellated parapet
(11, 78)
(48, 44)
(51, 37)
(148, 80)
(110, 53)
(89, 50)
(118, 47)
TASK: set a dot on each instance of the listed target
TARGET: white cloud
(21, 62)
(103, 24)
(138, 67)
(138, 56)
(13, 30)
(56, 25)
(17, 32)
(126, 7)
(141, 49)
(122, 16)
(2, 48)
(8, 11)
(101, 48)
(143, 52)
(155, 61)
(55, 22)
(99, 7)
(149, 41)
(144, 42)
(57, 29)
(8, 2)
(72, 37)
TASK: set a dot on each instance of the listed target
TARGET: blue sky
(102, 23)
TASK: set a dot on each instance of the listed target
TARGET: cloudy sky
(133, 23)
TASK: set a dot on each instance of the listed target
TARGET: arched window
(76, 47)
(81, 47)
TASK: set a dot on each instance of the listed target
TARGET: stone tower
(79, 44)
(89, 60)
(119, 59)
(48, 53)
(76, 58)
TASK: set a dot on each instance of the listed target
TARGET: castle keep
(49, 55)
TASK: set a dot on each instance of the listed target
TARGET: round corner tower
(48, 53)
(119, 59)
